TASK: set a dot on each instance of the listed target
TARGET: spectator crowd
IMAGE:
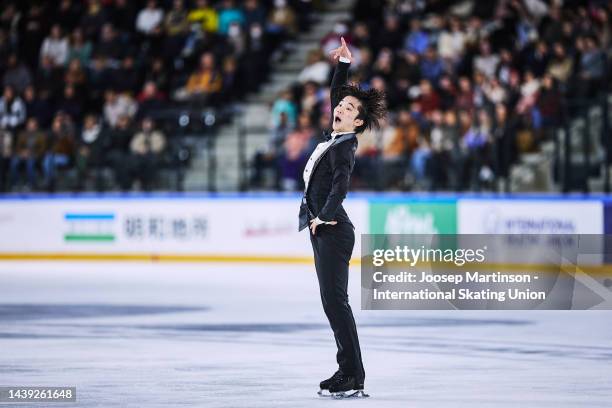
(84, 81)
(470, 86)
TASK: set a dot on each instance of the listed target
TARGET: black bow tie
(327, 135)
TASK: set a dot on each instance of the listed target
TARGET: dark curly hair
(373, 105)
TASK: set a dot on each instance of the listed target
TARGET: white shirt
(318, 152)
(148, 19)
(318, 72)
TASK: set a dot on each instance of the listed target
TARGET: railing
(582, 143)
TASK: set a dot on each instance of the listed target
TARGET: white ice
(221, 335)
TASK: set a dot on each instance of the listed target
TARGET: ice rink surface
(236, 335)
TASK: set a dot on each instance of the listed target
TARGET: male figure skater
(326, 177)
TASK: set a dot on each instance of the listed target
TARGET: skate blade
(324, 393)
(349, 394)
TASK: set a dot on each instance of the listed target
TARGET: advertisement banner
(530, 216)
(165, 227)
(413, 217)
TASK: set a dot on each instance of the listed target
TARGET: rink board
(252, 228)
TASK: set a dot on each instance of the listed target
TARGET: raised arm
(340, 78)
(343, 55)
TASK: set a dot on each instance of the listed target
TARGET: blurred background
(151, 158)
(117, 95)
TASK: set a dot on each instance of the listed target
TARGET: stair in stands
(255, 117)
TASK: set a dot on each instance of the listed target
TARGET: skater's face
(345, 115)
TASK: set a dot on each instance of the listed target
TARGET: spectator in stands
(175, 22)
(292, 161)
(253, 14)
(236, 39)
(127, 77)
(61, 149)
(176, 27)
(317, 68)
(150, 99)
(332, 39)
(257, 53)
(429, 100)
(465, 96)
(529, 92)
(591, 67)
(29, 150)
(92, 147)
(447, 93)
(417, 40)
(477, 142)
(149, 18)
(451, 42)
(366, 173)
(311, 98)
(109, 45)
(17, 74)
(75, 75)
(10, 18)
(117, 154)
(431, 65)
(147, 148)
(206, 15)
(114, 47)
(123, 15)
(117, 105)
(486, 62)
(32, 33)
(419, 163)
(229, 14)
(205, 82)
(6, 151)
(93, 19)
(282, 23)
(100, 79)
(284, 105)
(547, 108)
(79, 48)
(71, 104)
(398, 143)
(159, 74)
(390, 36)
(561, 65)
(383, 66)
(232, 82)
(12, 110)
(55, 46)
(268, 159)
(48, 79)
(37, 106)
(504, 135)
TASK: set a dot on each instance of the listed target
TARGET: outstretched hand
(341, 51)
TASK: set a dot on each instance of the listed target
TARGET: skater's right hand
(314, 224)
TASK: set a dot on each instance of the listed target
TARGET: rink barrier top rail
(373, 196)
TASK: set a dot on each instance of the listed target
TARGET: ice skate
(324, 385)
(347, 387)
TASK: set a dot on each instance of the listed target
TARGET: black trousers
(333, 246)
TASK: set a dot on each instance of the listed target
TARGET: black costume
(333, 244)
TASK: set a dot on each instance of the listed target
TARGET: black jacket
(330, 177)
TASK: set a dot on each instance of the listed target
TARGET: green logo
(422, 217)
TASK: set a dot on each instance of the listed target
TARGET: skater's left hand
(341, 51)
(313, 225)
